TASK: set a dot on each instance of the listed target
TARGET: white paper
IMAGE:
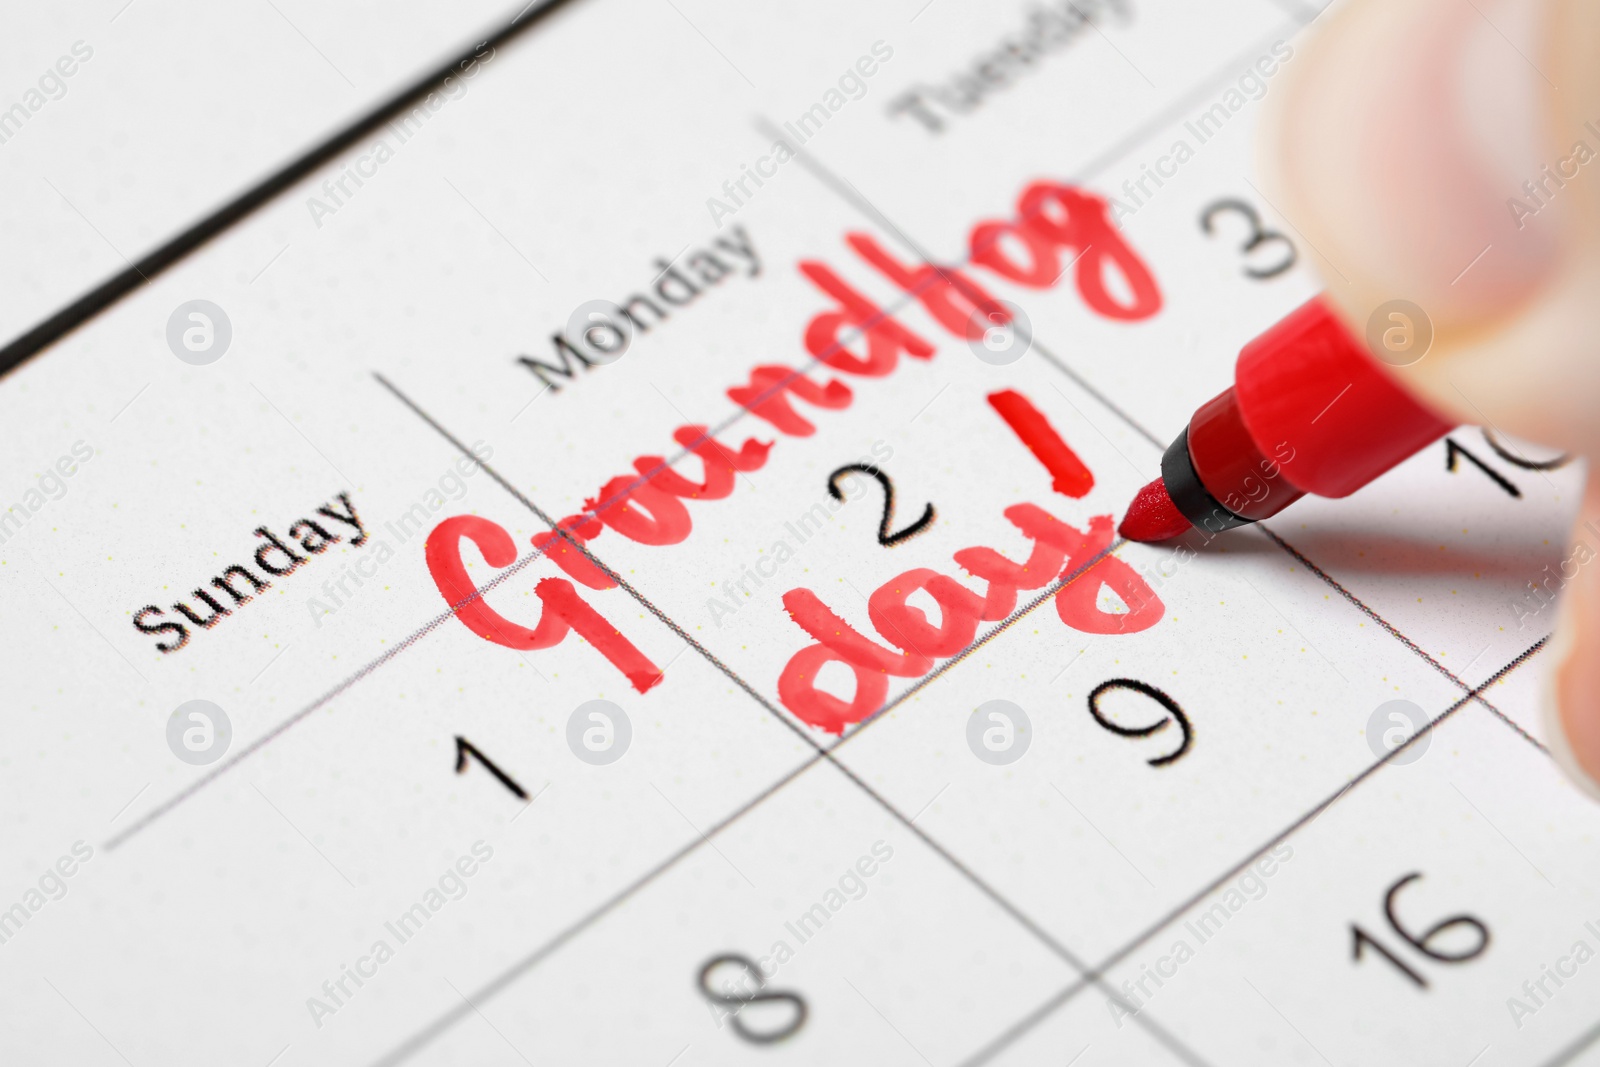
(1080, 904)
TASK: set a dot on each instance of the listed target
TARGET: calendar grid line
(278, 730)
(1044, 1010)
(1471, 694)
(737, 415)
(1116, 151)
(1141, 133)
(893, 307)
(901, 302)
(507, 977)
(906, 299)
(999, 934)
(578, 545)
(822, 753)
(847, 191)
(1577, 1047)
(995, 631)
(683, 452)
(500, 982)
(1402, 638)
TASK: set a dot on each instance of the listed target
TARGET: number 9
(1174, 715)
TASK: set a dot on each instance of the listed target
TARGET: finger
(1571, 717)
(1448, 153)
(1423, 148)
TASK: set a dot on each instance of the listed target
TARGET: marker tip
(1152, 516)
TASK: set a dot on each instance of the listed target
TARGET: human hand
(1401, 139)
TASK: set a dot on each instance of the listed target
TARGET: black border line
(892, 308)
(109, 292)
(43, 334)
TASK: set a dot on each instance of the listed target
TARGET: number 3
(1258, 236)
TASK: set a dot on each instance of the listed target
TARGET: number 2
(885, 538)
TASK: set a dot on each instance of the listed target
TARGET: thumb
(1448, 154)
(1571, 715)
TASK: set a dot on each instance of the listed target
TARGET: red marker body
(1310, 411)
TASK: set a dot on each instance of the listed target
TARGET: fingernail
(1571, 687)
(1406, 131)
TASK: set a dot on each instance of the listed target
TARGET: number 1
(1363, 938)
(465, 748)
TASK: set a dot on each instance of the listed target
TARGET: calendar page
(612, 559)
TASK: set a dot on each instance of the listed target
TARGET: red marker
(1310, 411)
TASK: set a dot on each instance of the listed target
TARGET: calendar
(588, 535)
